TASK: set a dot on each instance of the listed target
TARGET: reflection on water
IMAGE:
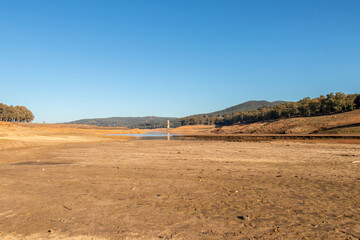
(147, 136)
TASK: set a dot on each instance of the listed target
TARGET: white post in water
(168, 128)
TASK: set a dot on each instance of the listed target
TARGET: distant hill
(247, 113)
(213, 117)
(130, 122)
(151, 122)
(246, 106)
(332, 103)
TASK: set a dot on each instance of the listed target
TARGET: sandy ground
(91, 187)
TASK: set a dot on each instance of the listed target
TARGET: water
(148, 135)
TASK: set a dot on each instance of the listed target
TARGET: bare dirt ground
(83, 186)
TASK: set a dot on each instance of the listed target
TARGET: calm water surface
(148, 135)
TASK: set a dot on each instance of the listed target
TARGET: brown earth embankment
(304, 125)
(352, 139)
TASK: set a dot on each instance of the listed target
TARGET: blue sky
(67, 60)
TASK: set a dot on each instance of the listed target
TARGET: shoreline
(271, 137)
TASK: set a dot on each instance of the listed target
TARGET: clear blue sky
(67, 60)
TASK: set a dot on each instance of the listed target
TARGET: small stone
(244, 217)
(68, 208)
(51, 230)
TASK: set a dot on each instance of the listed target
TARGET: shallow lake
(148, 135)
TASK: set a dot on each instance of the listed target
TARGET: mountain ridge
(161, 122)
(245, 106)
(130, 122)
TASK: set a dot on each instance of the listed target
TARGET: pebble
(51, 230)
(68, 208)
(276, 229)
(244, 217)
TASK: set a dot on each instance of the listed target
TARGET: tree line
(15, 113)
(307, 107)
(203, 119)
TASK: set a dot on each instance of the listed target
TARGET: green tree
(340, 102)
(314, 106)
(304, 107)
(357, 102)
